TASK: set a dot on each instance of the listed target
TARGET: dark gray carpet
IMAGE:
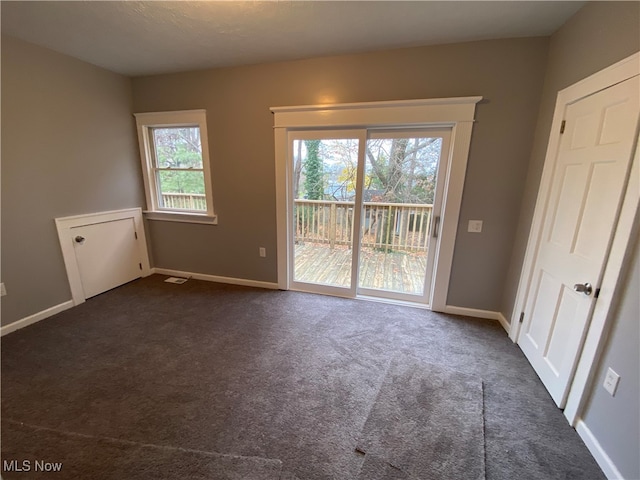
(269, 374)
(86, 457)
(375, 468)
(427, 421)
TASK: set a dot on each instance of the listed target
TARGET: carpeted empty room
(211, 381)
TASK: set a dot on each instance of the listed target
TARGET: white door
(587, 188)
(107, 255)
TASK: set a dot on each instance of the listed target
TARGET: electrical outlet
(475, 226)
(611, 382)
(3, 290)
(263, 252)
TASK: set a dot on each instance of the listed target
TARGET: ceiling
(151, 37)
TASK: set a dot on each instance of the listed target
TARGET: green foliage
(397, 170)
(179, 148)
(181, 182)
(313, 182)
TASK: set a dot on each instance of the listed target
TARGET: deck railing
(186, 201)
(387, 226)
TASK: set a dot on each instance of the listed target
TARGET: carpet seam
(373, 401)
(132, 443)
(366, 416)
(484, 431)
(458, 372)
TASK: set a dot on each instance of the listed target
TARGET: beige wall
(598, 35)
(68, 147)
(507, 73)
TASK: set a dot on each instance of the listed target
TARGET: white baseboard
(477, 313)
(36, 317)
(503, 321)
(601, 457)
(215, 278)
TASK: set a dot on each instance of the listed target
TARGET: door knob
(585, 288)
(79, 239)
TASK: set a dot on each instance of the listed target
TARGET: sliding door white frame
(423, 298)
(361, 136)
(455, 113)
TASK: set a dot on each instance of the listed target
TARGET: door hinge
(135, 234)
(562, 125)
(140, 265)
(521, 317)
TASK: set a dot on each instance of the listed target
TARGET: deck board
(395, 271)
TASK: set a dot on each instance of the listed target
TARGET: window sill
(181, 217)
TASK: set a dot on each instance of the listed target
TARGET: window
(175, 165)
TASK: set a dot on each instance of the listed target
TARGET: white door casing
(455, 113)
(587, 188)
(107, 255)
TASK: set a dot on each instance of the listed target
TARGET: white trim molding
(36, 317)
(432, 112)
(455, 113)
(477, 313)
(504, 322)
(181, 217)
(603, 460)
(620, 251)
(65, 234)
(215, 278)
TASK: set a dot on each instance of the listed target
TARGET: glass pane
(177, 147)
(399, 188)
(324, 187)
(182, 190)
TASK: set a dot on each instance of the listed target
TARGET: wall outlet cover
(611, 382)
(3, 290)
(475, 226)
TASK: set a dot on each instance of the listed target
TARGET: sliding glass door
(324, 186)
(400, 212)
(364, 208)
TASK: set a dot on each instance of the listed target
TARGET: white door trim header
(431, 111)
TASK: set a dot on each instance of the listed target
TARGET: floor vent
(177, 280)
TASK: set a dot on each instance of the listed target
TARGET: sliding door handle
(435, 227)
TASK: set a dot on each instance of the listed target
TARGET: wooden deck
(395, 271)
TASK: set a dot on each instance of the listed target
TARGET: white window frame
(145, 123)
